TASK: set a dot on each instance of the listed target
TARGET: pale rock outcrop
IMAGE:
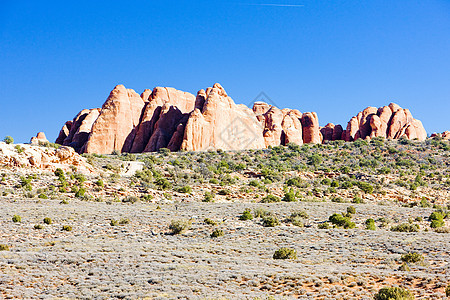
(119, 116)
(39, 139)
(272, 128)
(292, 128)
(221, 124)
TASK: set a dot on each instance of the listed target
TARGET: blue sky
(332, 57)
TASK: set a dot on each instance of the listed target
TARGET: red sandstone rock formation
(169, 118)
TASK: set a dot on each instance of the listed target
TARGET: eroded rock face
(311, 129)
(169, 118)
(182, 102)
(391, 122)
(221, 124)
(115, 126)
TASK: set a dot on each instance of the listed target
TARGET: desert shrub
(437, 219)
(163, 183)
(66, 228)
(130, 199)
(4, 247)
(210, 222)
(296, 221)
(114, 222)
(246, 215)
(270, 221)
(357, 200)
(100, 183)
(351, 210)
(270, 199)
(394, 293)
(185, 189)
(42, 196)
(59, 172)
(124, 221)
(370, 224)
(261, 212)
(38, 226)
(17, 219)
(314, 160)
(289, 196)
(80, 193)
(442, 230)
(209, 197)
(217, 233)
(412, 257)
(365, 187)
(405, 227)
(47, 221)
(324, 225)
(300, 213)
(285, 253)
(179, 226)
(341, 221)
(8, 139)
(447, 291)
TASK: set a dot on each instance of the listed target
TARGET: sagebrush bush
(246, 215)
(405, 227)
(66, 228)
(412, 257)
(217, 233)
(4, 247)
(38, 226)
(17, 219)
(270, 199)
(47, 221)
(285, 253)
(370, 224)
(270, 221)
(179, 226)
(341, 221)
(394, 293)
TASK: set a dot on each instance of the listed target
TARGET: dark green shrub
(17, 219)
(114, 222)
(4, 247)
(217, 233)
(405, 227)
(289, 196)
(185, 189)
(437, 219)
(412, 257)
(66, 228)
(351, 210)
(393, 293)
(209, 197)
(370, 224)
(47, 221)
(270, 221)
(341, 221)
(246, 215)
(447, 291)
(100, 183)
(130, 199)
(270, 199)
(42, 196)
(285, 253)
(210, 222)
(324, 225)
(8, 139)
(80, 193)
(38, 226)
(179, 226)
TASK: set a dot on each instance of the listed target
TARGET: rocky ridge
(177, 120)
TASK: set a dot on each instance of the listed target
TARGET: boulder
(39, 139)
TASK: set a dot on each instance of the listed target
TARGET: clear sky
(333, 57)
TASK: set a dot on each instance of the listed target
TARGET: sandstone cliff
(169, 118)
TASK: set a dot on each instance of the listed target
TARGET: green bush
(210, 222)
(209, 197)
(351, 210)
(341, 221)
(114, 222)
(246, 215)
(324, 225)
(47, 221)
(289, 196)
(447, 291)
(100, 183)
(17, 219)
(38, 226)
(80, 193)
(412, 257)
(8, 140)
(179, 226)
(4, 247)
(437, 219)
(42, 196)
(394, 293)
(66, 228)
(370, 224)
(405, 227)
(185, 189)
(270, 199)
(217, 233)
(285, 253)
(270, 221)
